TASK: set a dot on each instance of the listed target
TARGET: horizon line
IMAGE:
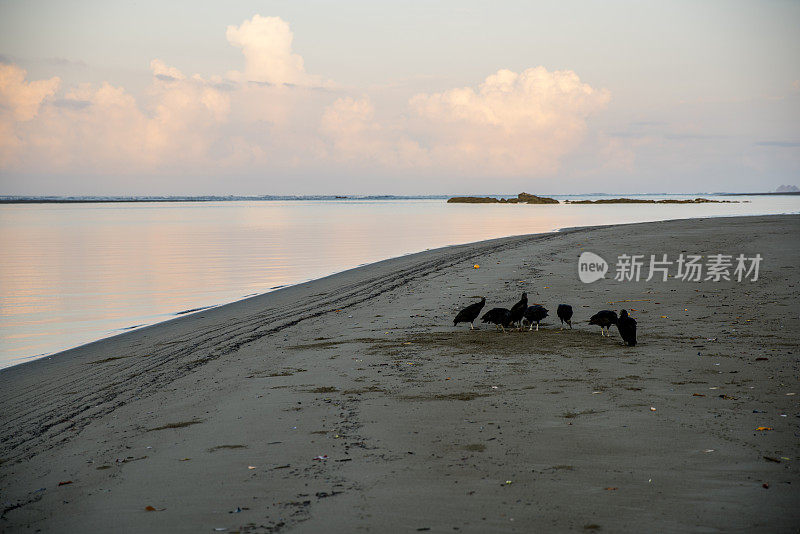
(47, 199)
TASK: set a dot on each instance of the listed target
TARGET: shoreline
(180, 314)
(90, 199)
(417, 424)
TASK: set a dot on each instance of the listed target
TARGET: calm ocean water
(74, 273)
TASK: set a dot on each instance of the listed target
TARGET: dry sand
(215, 419)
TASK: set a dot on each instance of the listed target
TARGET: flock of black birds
(521, 312)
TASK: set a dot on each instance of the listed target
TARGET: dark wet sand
(215, 419)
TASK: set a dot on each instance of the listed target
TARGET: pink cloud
(275, 115)
(514, 123)
(266, 43)
(22, 99)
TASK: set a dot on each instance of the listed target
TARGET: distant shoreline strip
(97, 200)
(107, 200)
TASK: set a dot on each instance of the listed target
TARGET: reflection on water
(73, 273)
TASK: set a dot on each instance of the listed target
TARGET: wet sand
(350, 403)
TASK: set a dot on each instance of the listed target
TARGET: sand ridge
(351, 403)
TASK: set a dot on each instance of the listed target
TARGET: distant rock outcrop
(473, 200)
(522, 198)
(526, 198)
(788, 189)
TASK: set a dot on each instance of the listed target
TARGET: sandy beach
(352, 404)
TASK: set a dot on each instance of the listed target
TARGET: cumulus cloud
(20, 102)
(266, 43)
(356, 137)
(164, 72)
(184, 110)
(272, 115)
(21, 99)
(93, 128)
(104, 129)
(266, 115)
(350, 125)
(514, 123)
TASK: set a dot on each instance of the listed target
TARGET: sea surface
(74, 273)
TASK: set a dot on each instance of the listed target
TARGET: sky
(413, 97)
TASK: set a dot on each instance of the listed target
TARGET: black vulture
(470, 313)
(564, 313)
(498, 316)
(604, 319)
(518, 310)
(627, 328)
(534, 314)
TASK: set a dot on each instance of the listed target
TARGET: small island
(522, 198)
(527, 198)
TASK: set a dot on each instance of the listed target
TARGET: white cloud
(20, 102)
(104, 129)
(276, 116)
(100, 130)
(266, 116)
(350, 125)
(21, 99)
(514, 124)
(266, 43)
(164, 72)
(184, 114)
(356, 137)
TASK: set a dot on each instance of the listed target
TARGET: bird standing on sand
(564, 313)
(604, 319)
(518, 310)
(534, 314)
(627, 328)
(498, 316)
(470, 313)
